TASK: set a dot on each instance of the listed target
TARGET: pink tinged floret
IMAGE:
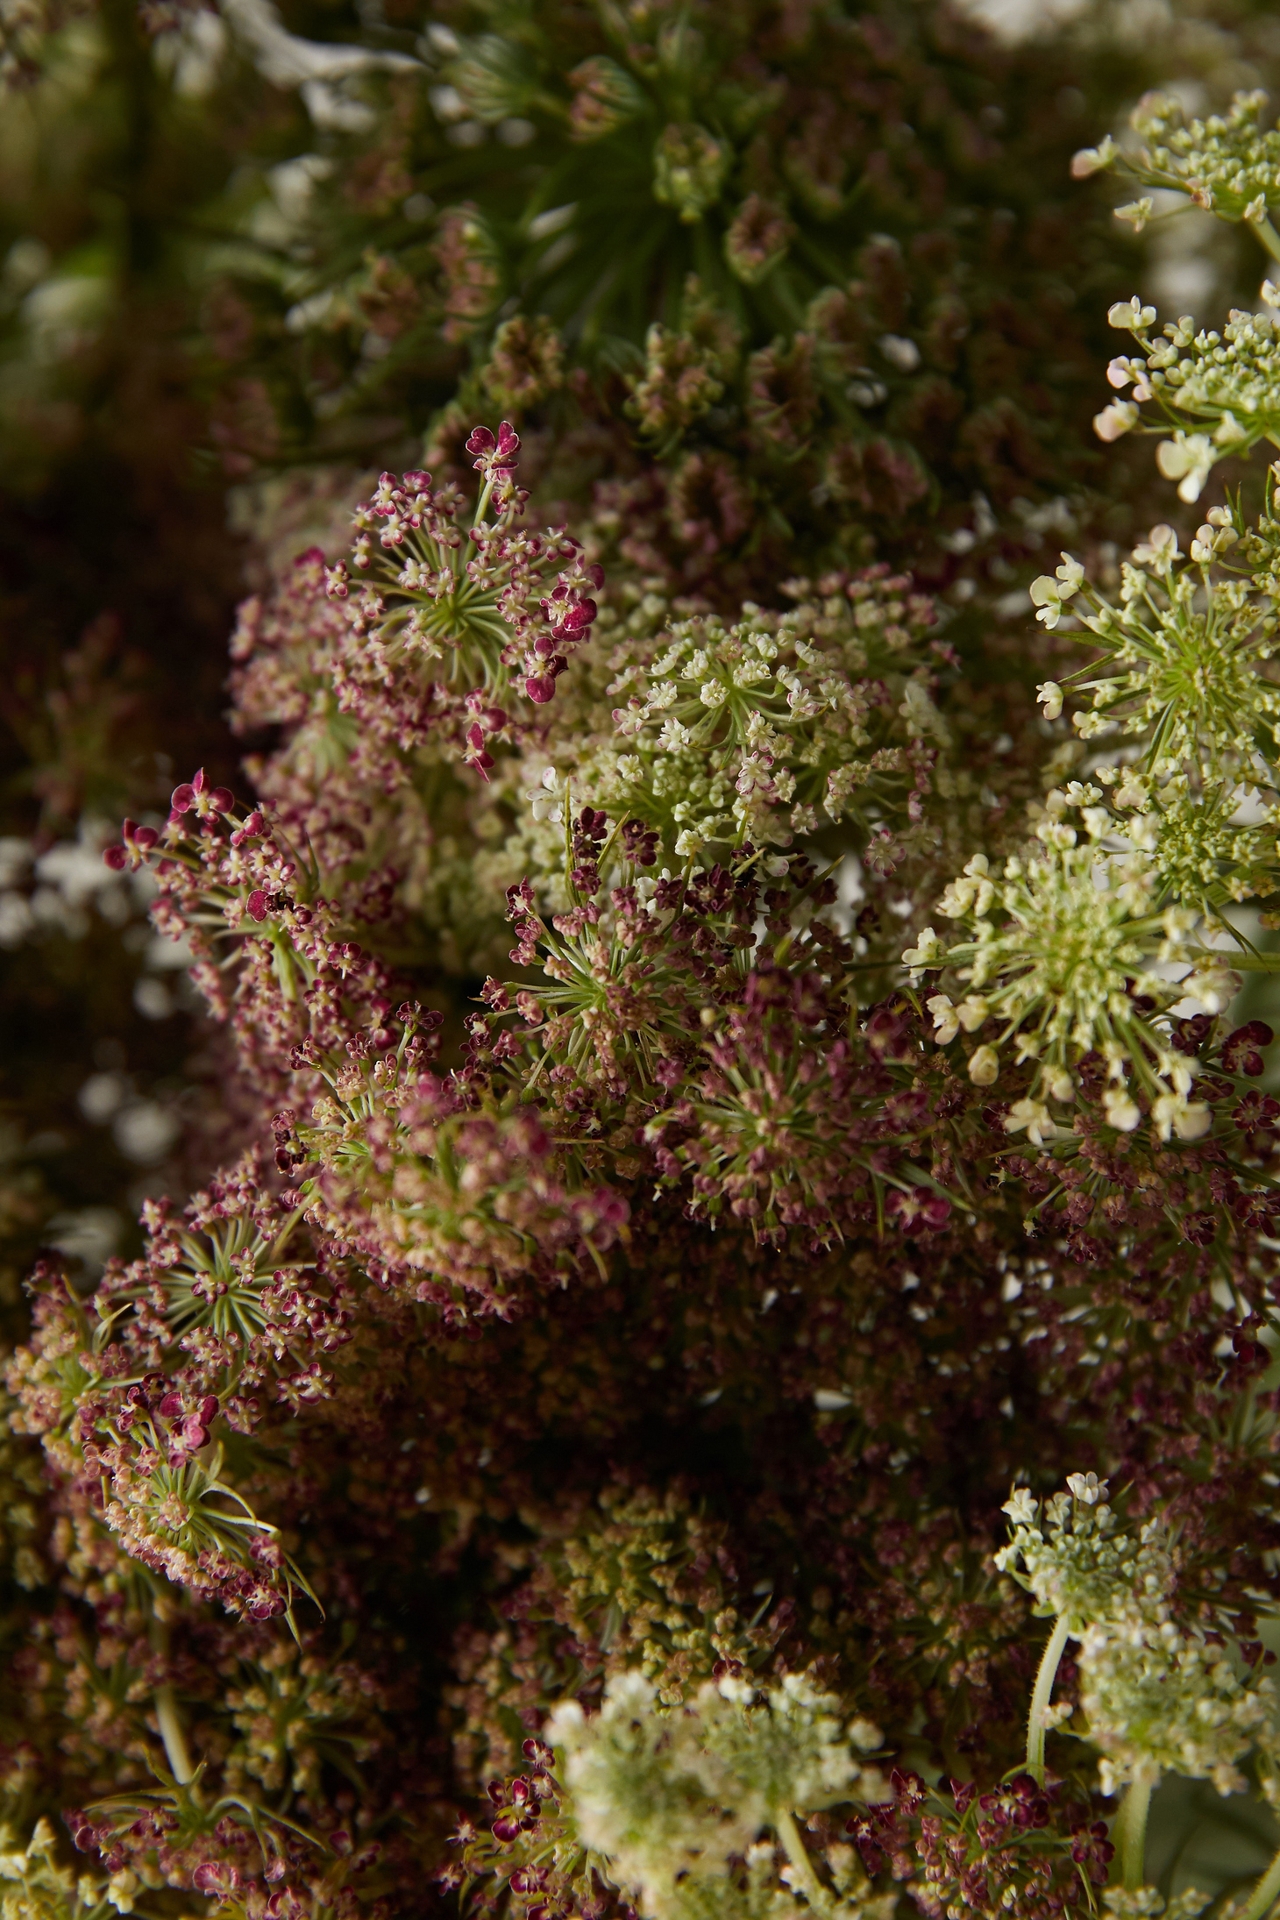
(494, 455)
(196, 796)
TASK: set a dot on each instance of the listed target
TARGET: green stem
(1055, 1647)
(802, 1866)
(1265, 1894)
(1130, 1833)
(1268, 236)
(175, 1740)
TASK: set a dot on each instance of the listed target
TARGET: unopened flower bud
(984, 1066)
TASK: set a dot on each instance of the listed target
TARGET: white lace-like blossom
(34, 1885)
(1148, 1903)
(1185, 670)
(1075, 1557)
(1163, 1698)
(1056, 955)
(668, 1798)
(1159, 1695)
(1219, 392)
(758, 730)
(1227, 163)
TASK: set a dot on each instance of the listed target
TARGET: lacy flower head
(1162, 1697)
(767, 729)
(500, 606)
(1056, 963)
(668, 1797)
(1076, 1557)
(1227, 163)
(1218, 392)
(1185, 675)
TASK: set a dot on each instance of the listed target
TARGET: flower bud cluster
(1227, 163)
(1075, 1556)
(758, 731)
(1057, 963)
(1216, 390)
(1159, 1693)
(664, 1797)
(483, 601)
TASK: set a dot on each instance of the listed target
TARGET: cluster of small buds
(1060, 943)
(659, 1795)
(1015, 1848)
(1161, 1697)
(1075, 1556)
(1227, 163)
(1184, 672)
(1217, 391)
(750, 732)
(235, 888)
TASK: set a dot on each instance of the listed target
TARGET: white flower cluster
(1074, 1555)
(1227, 163)
(670, 1798)
(1162, 1698)
(1056, 943)
(1224, 386)
(1159, 1695)
(1148, 1903)
(756, 731)
(35, 1886)
(1184, 673)
(764, 730)
(1182, 666)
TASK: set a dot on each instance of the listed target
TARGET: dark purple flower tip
(256, 905)
(480, 440)
(116, 858)
(540, 687)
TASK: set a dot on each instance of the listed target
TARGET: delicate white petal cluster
(1055, 943)
(1219, 391)
(34, 1885)
(669, 1798)
(1185, 672)
(1148, 1903)
(1073, 1554)
(1228, 163)
(1162, 1698)
(757, 730)
(1159, 1695)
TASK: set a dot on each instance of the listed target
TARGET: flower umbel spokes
(1056, 963)
(501, 605)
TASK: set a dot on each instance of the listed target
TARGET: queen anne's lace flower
(1185, 672)
(1057, 955)
(1162, 1698)
(1075, 1556)
(1227, 163)
(667, 1798)
(1219, 392)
